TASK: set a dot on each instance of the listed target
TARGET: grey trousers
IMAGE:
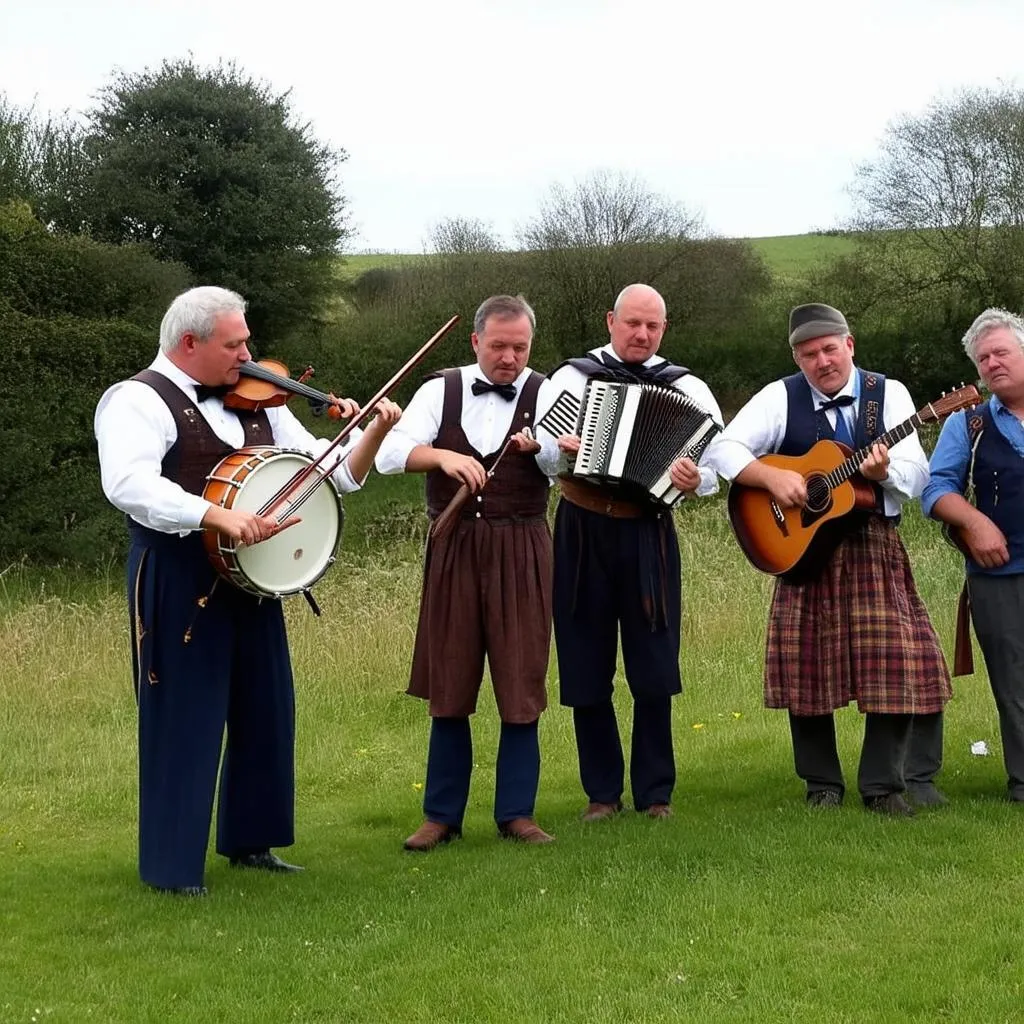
(997, 611)
(898, 750)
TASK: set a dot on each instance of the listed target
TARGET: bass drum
(294, 559)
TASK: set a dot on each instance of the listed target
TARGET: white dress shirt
(760, 426)
(486, 420)
(135, 430)
(570, 379)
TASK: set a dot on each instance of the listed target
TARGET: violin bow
(285, 495)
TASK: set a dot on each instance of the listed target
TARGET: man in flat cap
(827, 642)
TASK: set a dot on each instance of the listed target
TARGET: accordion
(631, 433)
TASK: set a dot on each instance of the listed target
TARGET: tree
(605, 232)
(607, 209)
(42, 163)
(944, 200)
(462, 236)
(210, 168)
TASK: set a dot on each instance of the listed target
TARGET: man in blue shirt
(977, 487)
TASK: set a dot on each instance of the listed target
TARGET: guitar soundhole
(819, 495)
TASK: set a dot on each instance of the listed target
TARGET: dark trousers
(233, 673)
(450, 765)
(618, 577)
(652, 769)
(882, 759)
(997, 611)
(924, 749)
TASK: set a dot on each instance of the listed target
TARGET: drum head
(297, 557)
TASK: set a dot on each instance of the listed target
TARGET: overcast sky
(753, 114)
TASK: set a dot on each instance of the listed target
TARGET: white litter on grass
(979, 748)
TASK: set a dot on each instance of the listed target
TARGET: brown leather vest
(518, 489)
(197, 449)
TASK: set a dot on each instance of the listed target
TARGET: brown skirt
(858, 632)
(486, 592)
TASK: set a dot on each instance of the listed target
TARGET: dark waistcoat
(197, 449)
(998, 481)
(805, 425)
(518, 490)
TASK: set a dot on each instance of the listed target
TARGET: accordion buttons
(478, 515)
(479, 497)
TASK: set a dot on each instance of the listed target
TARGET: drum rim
(233, 570)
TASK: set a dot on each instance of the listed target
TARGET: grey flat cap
(815, 320)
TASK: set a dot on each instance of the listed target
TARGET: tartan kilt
(857, 632)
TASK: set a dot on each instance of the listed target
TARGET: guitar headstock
(964, 397)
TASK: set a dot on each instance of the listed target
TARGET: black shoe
(925, 794)
(182, 890)
(892, 804)
(825, 798)
(264, 861)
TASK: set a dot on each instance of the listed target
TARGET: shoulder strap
(451, 412)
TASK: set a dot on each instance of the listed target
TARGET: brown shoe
(597, 812)
(525, 830)
(431, 834)
(658, 811)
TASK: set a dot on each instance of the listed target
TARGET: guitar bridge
(780, 519)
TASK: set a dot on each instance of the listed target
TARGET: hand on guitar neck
(779, 503)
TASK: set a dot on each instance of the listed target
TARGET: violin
(265, 384)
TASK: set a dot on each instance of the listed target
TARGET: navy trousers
(450, 765)
(612, 576)
(201, 670)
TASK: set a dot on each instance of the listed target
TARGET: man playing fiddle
(205, 662)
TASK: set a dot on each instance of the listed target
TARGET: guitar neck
(846, 469)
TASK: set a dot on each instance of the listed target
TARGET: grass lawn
(789, 257)
(745, 906)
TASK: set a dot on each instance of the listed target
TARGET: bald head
(637, 323)
(641, 293)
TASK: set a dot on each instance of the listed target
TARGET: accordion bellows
(631, 434)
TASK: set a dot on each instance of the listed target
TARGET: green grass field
(789, 257)
(745, 906)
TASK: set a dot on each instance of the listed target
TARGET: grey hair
(504, 307)
(634, 287)
(989, 320)
(195, 312)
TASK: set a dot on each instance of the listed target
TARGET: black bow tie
(837, 403)
(204, 391)
(481, 387)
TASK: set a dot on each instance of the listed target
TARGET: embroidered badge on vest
(871, 413)
(974, 425)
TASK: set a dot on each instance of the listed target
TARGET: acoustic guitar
(792, 541)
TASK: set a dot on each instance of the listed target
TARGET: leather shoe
(598, 811)
(431, 834)
(892, 804)
(925, 794)
(825, 798)
(525, 830)
(658, 811)
(264, 861)
(182, 890)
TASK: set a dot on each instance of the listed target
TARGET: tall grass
(745, 906)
